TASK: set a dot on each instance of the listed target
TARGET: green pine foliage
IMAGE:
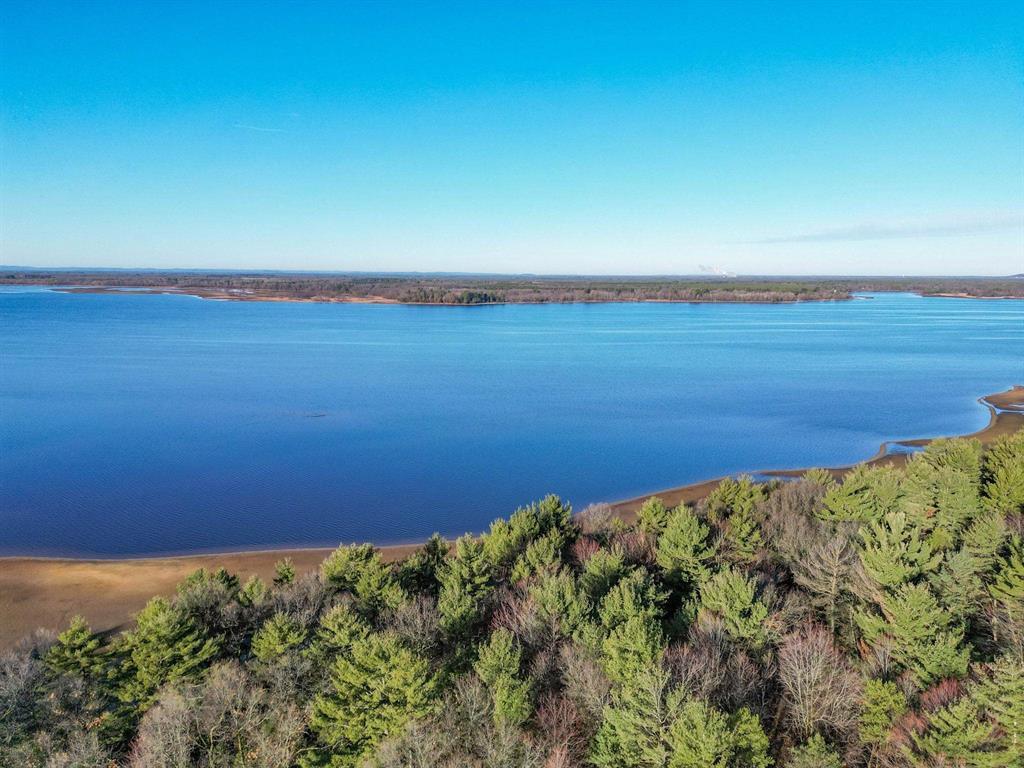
(731, 597)
(466, 583)
(278, 635)
(284, 572)
(922, 637)
(77, 650)
(866, 494)
(894, 552)
(375, 689)
(683, 550)
(652, 516)
(882, 705)
(165, 647)
(814, 753)
(1004, 475)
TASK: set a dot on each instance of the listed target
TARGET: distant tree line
(520, 290)
(877, 622)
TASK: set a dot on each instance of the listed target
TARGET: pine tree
(883, 703)
(284, 572)
(374, 690)
(77, 650)
(955, 735)
(703, 737)
(601, 571)
(254, 592)
(814, 753)
(278, 635)
(924, 638)
(732, 597)
(498, 665)
(634, 595)
(340, 628)
(893, 551)
(343, 567)
(561, 603)
(465, 585)
(866, 494)
(164, 647)
(631, 647)
(1001, 697)
(958, 584)
(635, 725)
(652, 517)
(1008, 581)
(1004, 475)
(541, 554)
(418, 573)
(683, 551)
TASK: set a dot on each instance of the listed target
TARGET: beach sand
(47, 592)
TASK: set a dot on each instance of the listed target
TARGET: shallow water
(137, 424)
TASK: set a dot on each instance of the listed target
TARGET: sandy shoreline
(46, 592)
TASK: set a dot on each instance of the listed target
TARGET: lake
(148, 424)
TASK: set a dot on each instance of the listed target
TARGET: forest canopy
(877, 622)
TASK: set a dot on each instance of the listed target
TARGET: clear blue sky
(824, 137)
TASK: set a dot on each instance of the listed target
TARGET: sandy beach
(47, 592)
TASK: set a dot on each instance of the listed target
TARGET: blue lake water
(135, 424)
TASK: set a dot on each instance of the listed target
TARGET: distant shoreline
(47, 591)
(481, 290)
(214, 295)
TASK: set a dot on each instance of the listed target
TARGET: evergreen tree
(164, 647)
(498, 665)
(958, 584)
(635, 726)
(652, 517)
(375, 689)
(866, 494)
(253, 592)
(278, 635)
(893, 551)
(683, 552)
(814, 753)
(465, 586)
(923, 637)
(703, 737)
(561, 603)
(284, 572)
(631, 647)
(1001, 697)
(883, 703)
(418, 573)
(1008, 582)
(732, 597)
(340, 628)
(77, 650)
(1004, 475)
(601, 571)
(343, 567)
(634, 595)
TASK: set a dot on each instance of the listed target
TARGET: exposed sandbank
(47, 592)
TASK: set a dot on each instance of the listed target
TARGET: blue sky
(828, 137)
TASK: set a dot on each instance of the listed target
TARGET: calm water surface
(156, 424)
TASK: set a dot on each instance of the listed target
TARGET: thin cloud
(259, 128)
(957, 228)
